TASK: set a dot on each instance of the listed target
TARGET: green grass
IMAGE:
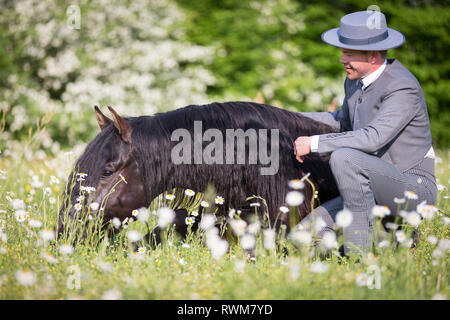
(171, 271)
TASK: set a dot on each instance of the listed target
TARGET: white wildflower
(400, 236)
(294, 198)
(247, 241)
(208, 220)
(319, 267)
(344, 218)
(269, 239)
(296, 184)
(329, 240)
(380, 211)
(66, 249)
(413, 219)
(25, 278)
(134, 235)
(238, 226)
(165, 216)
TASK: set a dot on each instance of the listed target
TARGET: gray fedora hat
(364, 30)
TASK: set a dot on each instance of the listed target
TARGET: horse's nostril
(120, 202)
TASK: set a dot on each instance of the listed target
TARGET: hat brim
(394, 40)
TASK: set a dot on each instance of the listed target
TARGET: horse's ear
(102, 120)
(122, 126)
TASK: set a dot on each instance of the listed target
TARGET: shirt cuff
(314, 143)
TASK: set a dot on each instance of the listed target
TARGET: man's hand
(302, 146)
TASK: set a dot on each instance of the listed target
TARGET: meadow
(35, 264)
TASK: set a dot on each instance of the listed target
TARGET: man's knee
(342, 156)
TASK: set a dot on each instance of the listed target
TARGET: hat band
(370, 40)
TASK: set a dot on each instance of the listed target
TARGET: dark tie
(360, 85)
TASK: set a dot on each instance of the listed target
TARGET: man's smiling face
(357, 63)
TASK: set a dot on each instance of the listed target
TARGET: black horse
(134, 157)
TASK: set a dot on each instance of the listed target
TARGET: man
(383, 147)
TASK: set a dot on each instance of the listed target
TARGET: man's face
(356, 63)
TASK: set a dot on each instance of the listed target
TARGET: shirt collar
(367, 80)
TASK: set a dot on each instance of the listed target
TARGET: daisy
(329, 240)
(185, 245)
(189, 192)
(141, 250)
(301, 237)
(219, 200)
(194, 213)
(204, 204)
(35, 223)
(296, 184)
(143, 214)
(247, 241)
(94, 206)
(254, 227)
(269, 239)
(231, 213)
(218, 248)
(399, 200)
(400, 236)
(134, 235)
(294, 198)
(189, 220)
(112, 294)
(380, 211)
(411, 195)
(170, 196)
(238, 226)
(284, 209)
(165, 216)
(21, 215)
(319, 267)
(135, 212)
(432, 239)
(116, 222)
(208, 220)
(25, 278)
(47, 191)
(427, 211)
(54, 180)
(66, 249)
(77, 206)
(255, 204)
(413, 218)
(383, 244)
(17, 204)
(344, 218)
(123, 178)
(182, 261)
(47, 234)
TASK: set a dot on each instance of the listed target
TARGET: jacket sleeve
(398, 107)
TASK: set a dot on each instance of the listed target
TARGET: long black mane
(151, 136)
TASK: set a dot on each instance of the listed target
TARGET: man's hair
(383, 54)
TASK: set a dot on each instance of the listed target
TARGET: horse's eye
(107, 173)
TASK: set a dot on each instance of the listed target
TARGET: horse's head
(109, 165)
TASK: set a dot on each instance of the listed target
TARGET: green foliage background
(247, 67)
(215, 50)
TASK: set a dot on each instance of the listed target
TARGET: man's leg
(363, 181)
(327, 213)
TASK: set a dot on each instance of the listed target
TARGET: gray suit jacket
(388, 119)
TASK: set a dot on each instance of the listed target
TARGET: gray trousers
(365, 180)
